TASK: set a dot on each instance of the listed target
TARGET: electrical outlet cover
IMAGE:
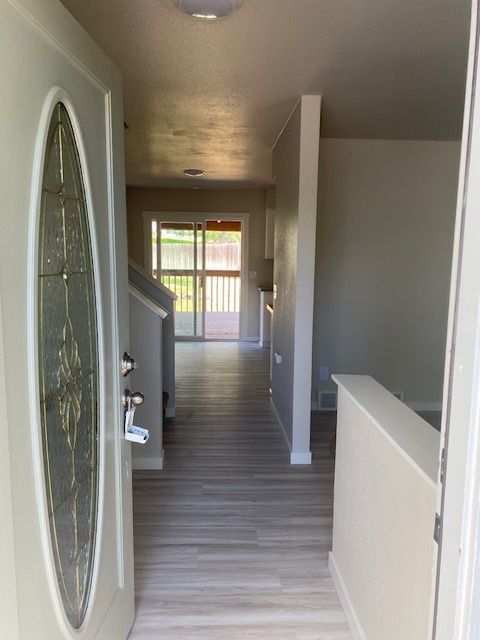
(327, 400)
(324, 373)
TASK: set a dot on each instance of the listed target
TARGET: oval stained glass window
(68, 366)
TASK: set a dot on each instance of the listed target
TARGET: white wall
(384, 240)
(250, 201)
(146, 348)
(295, 167)
(383, 552)
(165, 299)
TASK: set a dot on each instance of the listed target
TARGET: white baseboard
(301, 457)
(350, 614)
(148, 464)
(170, 412)
(425, 406)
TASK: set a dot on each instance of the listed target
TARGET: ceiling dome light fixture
(208, 9)
(194, 173)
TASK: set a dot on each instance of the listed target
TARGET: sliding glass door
(179, 260)
(201, 263)
(223, 251)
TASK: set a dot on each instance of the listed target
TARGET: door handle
(132, 399)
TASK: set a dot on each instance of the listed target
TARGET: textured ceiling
(215, 95)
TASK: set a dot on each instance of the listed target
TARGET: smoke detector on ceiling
(208, 9)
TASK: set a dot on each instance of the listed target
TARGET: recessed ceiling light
(208, 9)
(194, 173)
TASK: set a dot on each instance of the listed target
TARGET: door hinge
(442, 466)
(437, 529)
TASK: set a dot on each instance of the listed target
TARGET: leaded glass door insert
(68, 367)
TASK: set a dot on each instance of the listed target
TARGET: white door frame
(186, 216)
(457, 611)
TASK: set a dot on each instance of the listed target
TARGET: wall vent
(327, 401)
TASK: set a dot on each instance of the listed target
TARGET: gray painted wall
(295, 165)
(286, 167)
(386, 213)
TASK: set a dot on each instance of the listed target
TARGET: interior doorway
(201, 262)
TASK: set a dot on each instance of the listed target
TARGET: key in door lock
(131, 401)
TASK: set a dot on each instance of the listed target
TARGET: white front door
(66, 554)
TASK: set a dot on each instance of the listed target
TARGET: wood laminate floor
(231, 541)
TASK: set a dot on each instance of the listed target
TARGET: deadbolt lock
(128, 364)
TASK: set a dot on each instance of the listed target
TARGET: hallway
(231, 542)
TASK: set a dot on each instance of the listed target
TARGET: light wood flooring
(231, 542)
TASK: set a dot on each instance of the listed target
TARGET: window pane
(68, 367)
(154, 249)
